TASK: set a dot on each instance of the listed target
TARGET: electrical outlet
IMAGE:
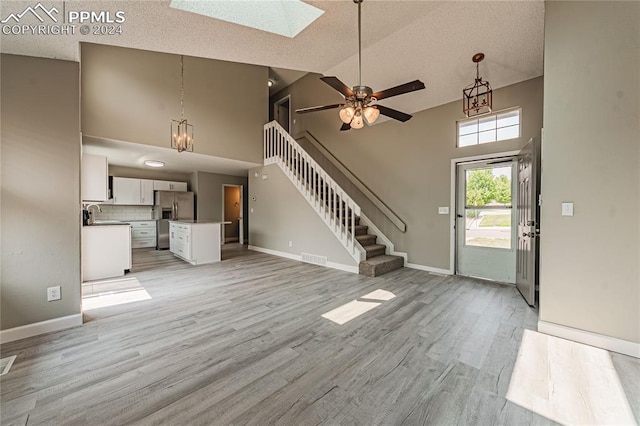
(53, 293)
(290, 243)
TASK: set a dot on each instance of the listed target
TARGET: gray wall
(132, 95)
(209, 195)
(591, 156)
(408, 165)
(40, 190)
(280, 214)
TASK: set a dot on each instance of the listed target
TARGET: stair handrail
(377, 202)
(316, 186)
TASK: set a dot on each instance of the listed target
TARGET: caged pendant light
(477, 98)
(181, 130)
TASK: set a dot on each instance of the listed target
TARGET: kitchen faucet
(91, 214)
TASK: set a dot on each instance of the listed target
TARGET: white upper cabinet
(95, 178)
(146, 192)
(165, 185)
(126, 191)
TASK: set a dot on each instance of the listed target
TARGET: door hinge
(539, 199)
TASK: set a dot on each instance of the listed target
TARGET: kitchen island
(195, 241)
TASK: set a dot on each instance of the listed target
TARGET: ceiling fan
(358, 106)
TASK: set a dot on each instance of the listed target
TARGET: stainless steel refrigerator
(170, 205)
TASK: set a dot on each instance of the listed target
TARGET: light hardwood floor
(243, 341)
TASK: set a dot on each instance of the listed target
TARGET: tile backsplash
(111, 212)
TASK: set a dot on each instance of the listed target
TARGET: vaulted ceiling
(402, 40)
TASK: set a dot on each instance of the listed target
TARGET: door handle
(460, 216)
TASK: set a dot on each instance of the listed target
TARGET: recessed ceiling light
(153, 163)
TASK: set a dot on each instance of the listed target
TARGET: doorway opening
(282, 112)
(487, 220)
(233, 228)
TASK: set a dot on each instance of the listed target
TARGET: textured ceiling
(402, 40)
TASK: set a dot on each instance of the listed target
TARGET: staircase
(333, 205)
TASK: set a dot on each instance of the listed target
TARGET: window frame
(479, 118)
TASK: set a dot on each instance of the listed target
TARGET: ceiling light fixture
(153, 163)
(181, 130)
(357, 108)
(477, 98)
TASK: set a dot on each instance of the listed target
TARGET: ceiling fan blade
(345, 126)
(393, 113)
(317, 108)
(412, 86)
(338, 85)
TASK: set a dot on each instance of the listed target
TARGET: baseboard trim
(35, 329)
(612, 344)
(429, 269)
(332, 265)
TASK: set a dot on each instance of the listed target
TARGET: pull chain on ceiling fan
(357, 109)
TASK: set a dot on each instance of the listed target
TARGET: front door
(485, 225)
(528, 221)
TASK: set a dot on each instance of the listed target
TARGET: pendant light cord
(182, 87)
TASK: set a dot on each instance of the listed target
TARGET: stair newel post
(353, 229)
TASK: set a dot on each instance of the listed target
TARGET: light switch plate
(443, 210)
(567, 209)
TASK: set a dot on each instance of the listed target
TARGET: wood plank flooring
(243, 342)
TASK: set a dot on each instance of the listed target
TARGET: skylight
(283, 17)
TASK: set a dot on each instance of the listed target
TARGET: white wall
(589, 271)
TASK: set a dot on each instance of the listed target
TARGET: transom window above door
(489, 128)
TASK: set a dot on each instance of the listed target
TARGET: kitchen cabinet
(143, 233)
(130, 191)
(146, 192)
(106, 251)
(126, 191)
(194, 242)
(95, 178)
(165, 185)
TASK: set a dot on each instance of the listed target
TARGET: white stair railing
(329, 201)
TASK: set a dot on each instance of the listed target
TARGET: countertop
(195, 222)
(108, 223)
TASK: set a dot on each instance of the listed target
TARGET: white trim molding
(332, 265)
(35, 329)
(612, 344)
(429, 269)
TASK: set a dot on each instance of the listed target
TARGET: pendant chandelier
(181, 130)
(477, 97)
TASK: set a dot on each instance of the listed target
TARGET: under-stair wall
(331, 203)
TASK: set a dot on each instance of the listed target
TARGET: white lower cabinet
(106, 251)
(143, 234)
(196, 243)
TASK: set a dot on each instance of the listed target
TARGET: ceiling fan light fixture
(346, 114)
(357, 122)
(371, 114)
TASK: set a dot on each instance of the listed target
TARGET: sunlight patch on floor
(379, 294)
(99, 294)
(355, 308)
(349, 311)
(568, 382)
